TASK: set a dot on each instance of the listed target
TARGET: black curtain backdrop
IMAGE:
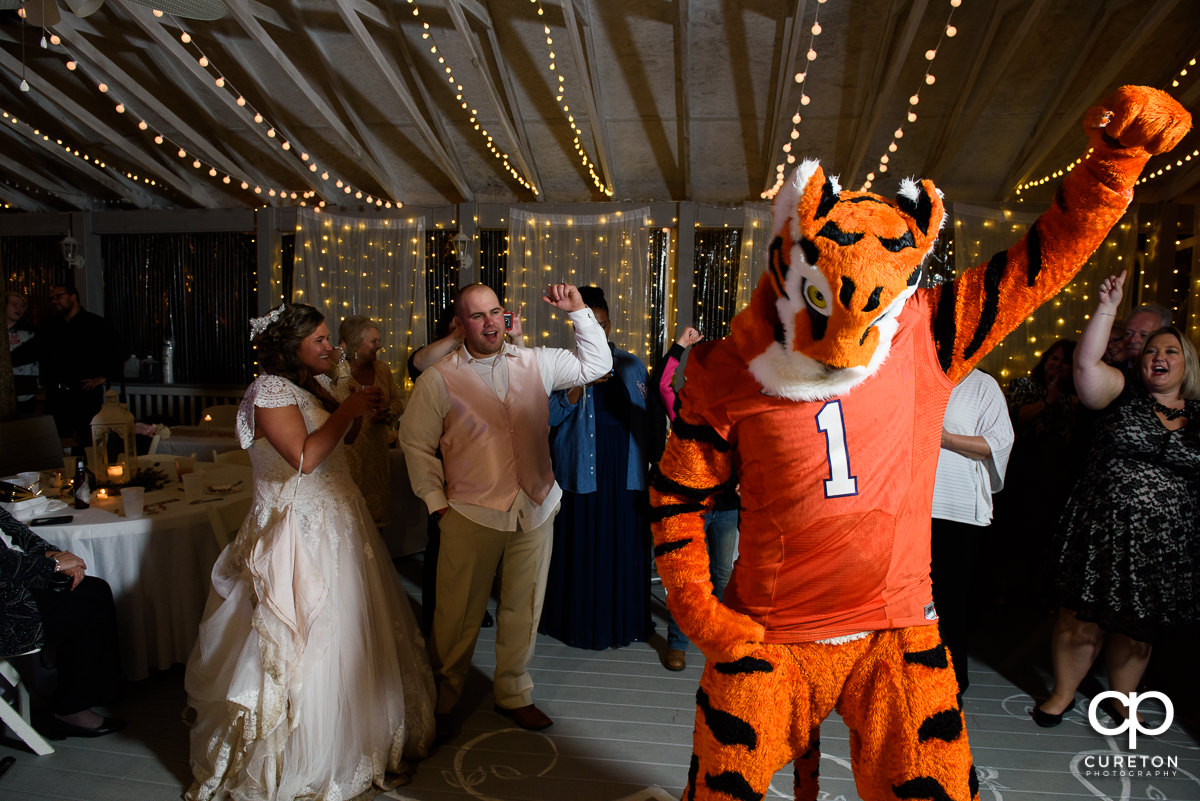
(31, 265)
(199, 288)
(715, 300)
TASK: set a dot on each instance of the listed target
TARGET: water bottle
(168, 362)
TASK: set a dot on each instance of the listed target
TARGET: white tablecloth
(158, 566)
(186, 440)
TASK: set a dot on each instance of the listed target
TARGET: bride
(308, 679)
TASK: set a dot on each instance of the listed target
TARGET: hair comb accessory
(259, 324)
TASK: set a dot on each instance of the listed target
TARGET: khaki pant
(467, 563)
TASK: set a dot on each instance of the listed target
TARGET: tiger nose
(846, 296)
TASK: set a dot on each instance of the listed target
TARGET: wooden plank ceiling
(365, 103)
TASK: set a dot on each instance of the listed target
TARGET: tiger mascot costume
(825, 405)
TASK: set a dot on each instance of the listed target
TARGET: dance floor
(623, 727)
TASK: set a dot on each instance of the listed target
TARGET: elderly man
(1142, 322)
(493, 493)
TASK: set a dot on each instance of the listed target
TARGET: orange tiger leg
(754, 715)
(907, 737)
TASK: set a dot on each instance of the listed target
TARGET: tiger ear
(923, 204)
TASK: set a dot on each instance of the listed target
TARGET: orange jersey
(836, 495)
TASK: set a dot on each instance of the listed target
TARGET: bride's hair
(278, 343)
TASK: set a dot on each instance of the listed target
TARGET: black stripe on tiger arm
(665, 548)
(726, 728)
(945, 330)
(662, 511)
(700, 433)
(1033, 252)
(992, 275)
(669, 486)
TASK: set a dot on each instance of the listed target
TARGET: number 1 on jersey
(829, 421)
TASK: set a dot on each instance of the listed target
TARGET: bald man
(493, 493)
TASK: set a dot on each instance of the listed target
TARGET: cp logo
(1131, 702)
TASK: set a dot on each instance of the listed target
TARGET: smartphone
(51, 521)
(508, 321)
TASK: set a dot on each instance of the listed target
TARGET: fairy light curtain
(375, 267)
(610, 251)
(980, 231)
(752, 261)
(32, 265)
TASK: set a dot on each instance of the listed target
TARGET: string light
(949, 31)
(1147, 176)
(427, 34)
(559, 97)
(801, 78)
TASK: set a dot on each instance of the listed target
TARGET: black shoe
(60, 729)
(1047, 720)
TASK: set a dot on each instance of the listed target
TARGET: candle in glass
(116, 472)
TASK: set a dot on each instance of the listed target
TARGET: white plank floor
(623, 733)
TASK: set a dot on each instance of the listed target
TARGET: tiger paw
(1139, 118)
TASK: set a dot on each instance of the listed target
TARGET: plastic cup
(193, 486)
(134, 499)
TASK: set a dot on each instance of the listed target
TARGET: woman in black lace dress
(1128, 554)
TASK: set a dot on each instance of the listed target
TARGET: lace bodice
(275, 480)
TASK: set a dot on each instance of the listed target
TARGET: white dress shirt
(421, 425)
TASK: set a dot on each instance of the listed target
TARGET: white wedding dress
(309, 678)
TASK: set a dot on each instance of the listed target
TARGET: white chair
(223, 415)
(18, 719)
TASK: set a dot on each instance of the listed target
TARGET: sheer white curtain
(752, 261)
(610, 251)
(980, 231)
(374, 267)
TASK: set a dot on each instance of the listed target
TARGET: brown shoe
(527, 717)
(676, 660)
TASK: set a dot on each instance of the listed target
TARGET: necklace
(1167, 411)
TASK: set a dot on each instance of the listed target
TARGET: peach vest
(494, 448)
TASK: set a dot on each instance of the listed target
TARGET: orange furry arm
(975, 312)
(695, 467)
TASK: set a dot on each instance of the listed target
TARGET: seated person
(45, 601)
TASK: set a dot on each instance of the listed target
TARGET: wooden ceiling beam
(521, 154)
(592, 100)
(894, 58)
(115, 183)
(39, 179)
(16, 197)
(199, 143)
(791, 42)
(168, 173)
(172, 47)
(1054, 127)
(506, 80)
(683, 96)
(387, 71)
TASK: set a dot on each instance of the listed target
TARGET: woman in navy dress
(598, 589)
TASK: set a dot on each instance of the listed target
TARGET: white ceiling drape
(980, 231)
(605, 250)
(374, 267)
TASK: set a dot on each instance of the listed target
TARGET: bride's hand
(364, 400)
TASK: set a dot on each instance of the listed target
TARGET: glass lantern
(114, 442)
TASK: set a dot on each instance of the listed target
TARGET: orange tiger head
(841, 265)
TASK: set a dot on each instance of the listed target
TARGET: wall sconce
(70, 252)
(461, 243)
